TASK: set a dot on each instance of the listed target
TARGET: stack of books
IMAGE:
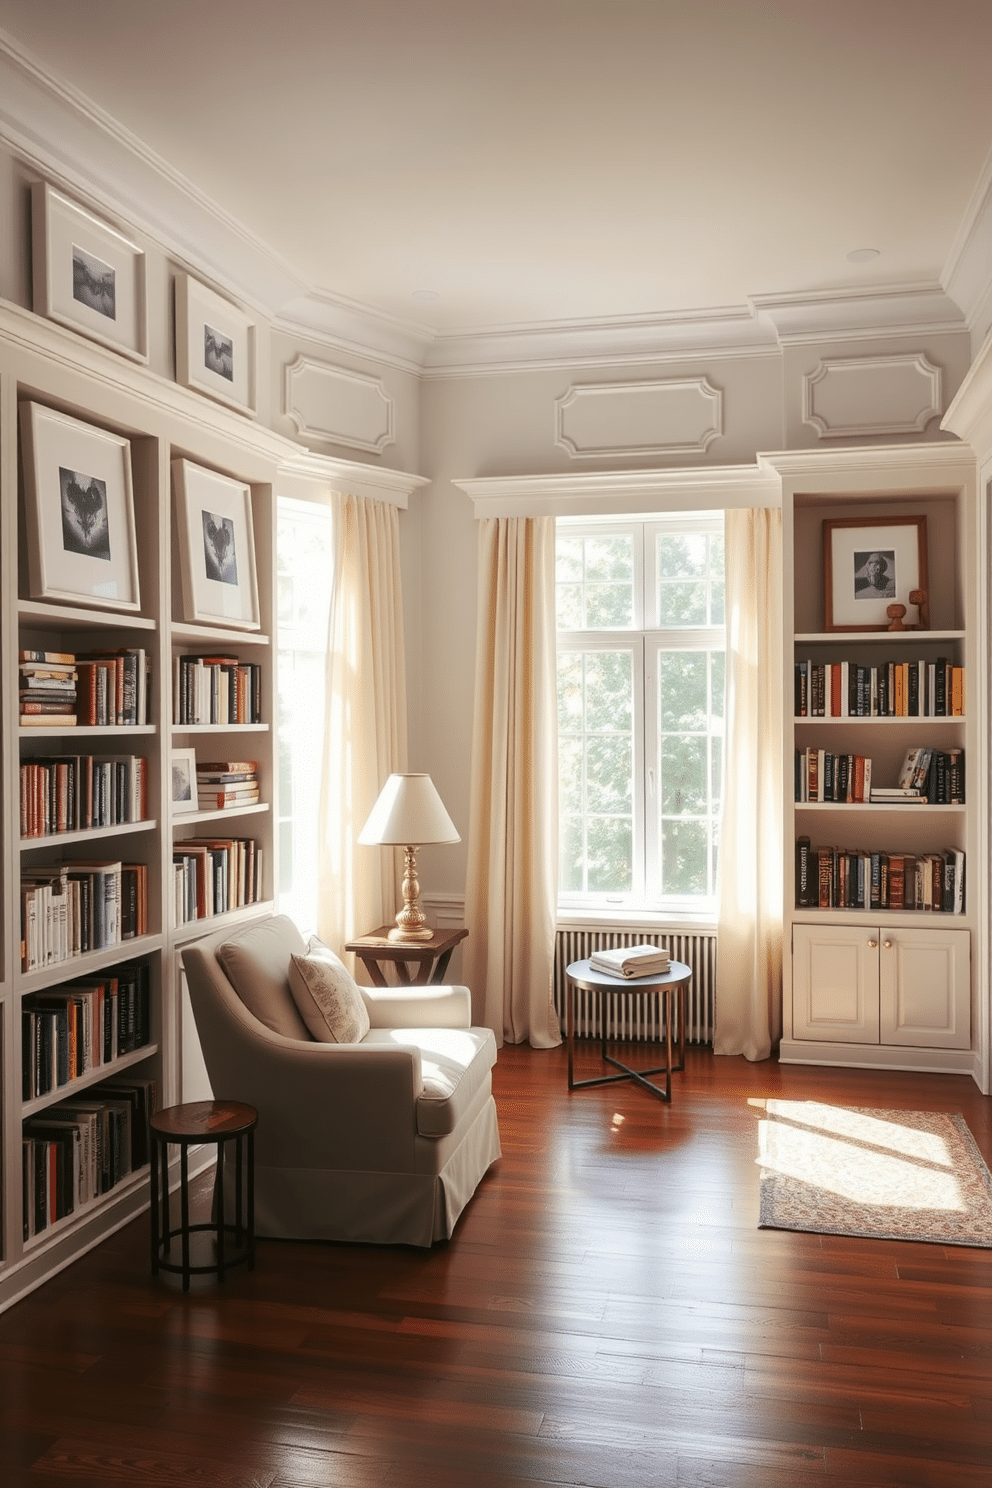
(47, 689)
(225, 785)
(631, 961)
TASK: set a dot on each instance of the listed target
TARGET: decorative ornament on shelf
(895, 613)
(409, 814)
(921, 599)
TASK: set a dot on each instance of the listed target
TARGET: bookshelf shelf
(43, 364)
(851, 973)
(91, 1077)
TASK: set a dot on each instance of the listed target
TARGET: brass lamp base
(411, 922)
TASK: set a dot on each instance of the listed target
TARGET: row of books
(216, 689)
(69, 1030)
(841, 878)
(97, 689)
(70, 909)
(927, 777)
(214, 875)
(76, 792)
(907, 689)
(82, 1148)
(223, 785)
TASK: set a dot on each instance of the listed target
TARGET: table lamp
(409, 814)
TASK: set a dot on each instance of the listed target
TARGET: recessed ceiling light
(862, 255)
(426, 296)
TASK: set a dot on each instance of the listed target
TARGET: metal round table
(670, 985)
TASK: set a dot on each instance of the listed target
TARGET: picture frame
(870, 563)
(215, 346)
(79, 508)
(216, 544)
(86, 274)
(184, 792)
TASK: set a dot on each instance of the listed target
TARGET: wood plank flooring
(607, 1314)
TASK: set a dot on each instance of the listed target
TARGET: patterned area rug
(885, 1175)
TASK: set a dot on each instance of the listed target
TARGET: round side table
(189, 1126)
(670, 985)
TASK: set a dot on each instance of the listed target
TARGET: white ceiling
(551, 161)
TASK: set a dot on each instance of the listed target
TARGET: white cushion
(327, 996)
(455, 1063)
(257, 966)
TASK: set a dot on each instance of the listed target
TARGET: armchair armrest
(418, 1007)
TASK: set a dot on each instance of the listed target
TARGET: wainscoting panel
(635, 1016)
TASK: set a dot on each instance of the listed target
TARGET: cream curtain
(512, 885)
(749, 875)
(365, 716)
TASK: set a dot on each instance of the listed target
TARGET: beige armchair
(383, 1140)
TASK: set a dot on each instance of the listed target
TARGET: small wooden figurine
(895, 613)
(921, 599)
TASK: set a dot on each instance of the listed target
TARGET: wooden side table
(669, 984)
(187, 1126)
(377, 951)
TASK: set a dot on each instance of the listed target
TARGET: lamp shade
(409, 812)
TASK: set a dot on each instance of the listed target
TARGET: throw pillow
(327, 996)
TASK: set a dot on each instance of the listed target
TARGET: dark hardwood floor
(607, 1314)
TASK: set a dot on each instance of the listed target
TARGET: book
(631, 961)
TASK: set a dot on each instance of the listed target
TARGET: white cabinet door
(835, 984)
(925, 988)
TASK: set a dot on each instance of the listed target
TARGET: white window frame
(645, 639)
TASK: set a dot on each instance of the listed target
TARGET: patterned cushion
(327, 996)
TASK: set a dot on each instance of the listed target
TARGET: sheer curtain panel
(365, 720)
(512, 886)
(750, 869)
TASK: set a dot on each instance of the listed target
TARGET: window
(304, 566)
(640, 710)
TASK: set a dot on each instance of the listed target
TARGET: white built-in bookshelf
(883, 893)
(99, 1000)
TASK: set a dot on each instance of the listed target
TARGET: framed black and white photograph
(216, 547)
(184, 793)
(870, 564)
(86, 274)
(79, 505)
(215, 346)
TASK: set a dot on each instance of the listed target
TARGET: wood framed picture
(184, 792)
(79, 507)
(215, 346)
(86, 274)
(870, 563)
(216, 547)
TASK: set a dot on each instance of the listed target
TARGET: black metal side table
(188, 1126)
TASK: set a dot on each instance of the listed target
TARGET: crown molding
(846, 315)
(353, 477)
(966, 271)
(970, 413)
(622, 491)
(903, 467)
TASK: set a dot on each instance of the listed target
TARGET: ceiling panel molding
(903, 392)
(677, 415)
(337, 404)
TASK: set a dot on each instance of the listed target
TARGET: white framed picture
(184, 793)
(79, 508)
(86, 274)
(215, 346)
(216, 547)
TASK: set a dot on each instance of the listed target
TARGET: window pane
(609, 765)
(716, 773)
(570, 776)
(595, 582)
(690, 578)
(681, 604)
(571, 856)
(570, 700)
(608, 855)
(718, 672)
(683, 775)
(684, 853)
(609, 692)
(683, 686)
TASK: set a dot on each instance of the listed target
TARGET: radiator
(635, 1015)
